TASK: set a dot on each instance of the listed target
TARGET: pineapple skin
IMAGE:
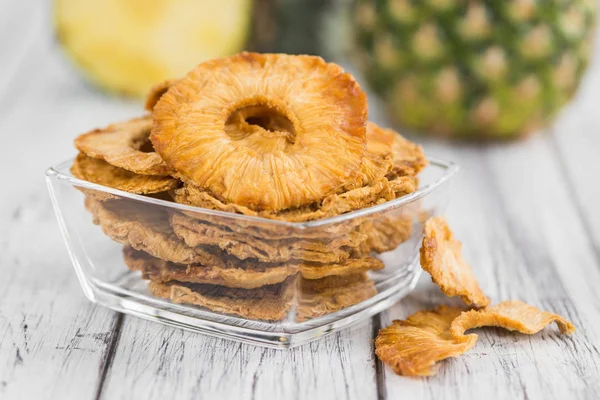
(473, 69)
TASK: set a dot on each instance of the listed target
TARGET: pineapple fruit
(473, 69)
(126, 46)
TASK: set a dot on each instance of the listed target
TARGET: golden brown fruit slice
(324, 296)
(245, 247)
(347, 267)
(385, 233)
(330, 206)
(389, 154)
(304, 137)
(271, 302)
(238, 274)
(157, 91)
(412, 347)
(513, 315)
(124, 145)
(408, 157)
(145, 228)
(441, 256)
(102, 173)
(126, 46)
(196, 233)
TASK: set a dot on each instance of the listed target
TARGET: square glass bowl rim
(61, 172)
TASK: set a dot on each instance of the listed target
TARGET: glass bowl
(257, 280)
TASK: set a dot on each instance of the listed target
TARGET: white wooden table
(528, 213)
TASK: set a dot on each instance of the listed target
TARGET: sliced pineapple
(126, 46)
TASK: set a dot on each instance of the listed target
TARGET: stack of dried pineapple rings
(266, 135)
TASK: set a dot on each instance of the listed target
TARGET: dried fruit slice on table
(125, 145)
(513, 315)
(98, 171)
(441, 256)
(306, 135)
(413, 346)
(246, 275)
(270, 303)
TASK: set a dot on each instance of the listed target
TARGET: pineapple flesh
(126, 46)
(473, 69)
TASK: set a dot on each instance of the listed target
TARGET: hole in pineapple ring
(146, 146)
(263, 120)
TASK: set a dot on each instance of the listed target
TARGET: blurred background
(455, 68)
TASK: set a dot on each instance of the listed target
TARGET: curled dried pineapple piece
(412, 347)
(125, 145)
(513, 315)
(407, 157)
(389, 154)
(265, 131)
(441, 256)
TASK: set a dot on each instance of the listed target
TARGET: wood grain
(577, 143)
(156, 361)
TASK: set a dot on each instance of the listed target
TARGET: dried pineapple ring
(332, 205)
(232, 274)
(157, 91)
(324, 296)
(121, 145)
(407, 157)
(102, 173)
(513, 315)
(270, 302)
(385, 233)
(195, 234)
(305, 133)
(350, 266)
(441, 256)
(145, 228)
(412, 347)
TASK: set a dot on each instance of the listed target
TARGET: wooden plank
(53, 342)
(577, 143)
(155, 362)
(526, 241)
(49, 333)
